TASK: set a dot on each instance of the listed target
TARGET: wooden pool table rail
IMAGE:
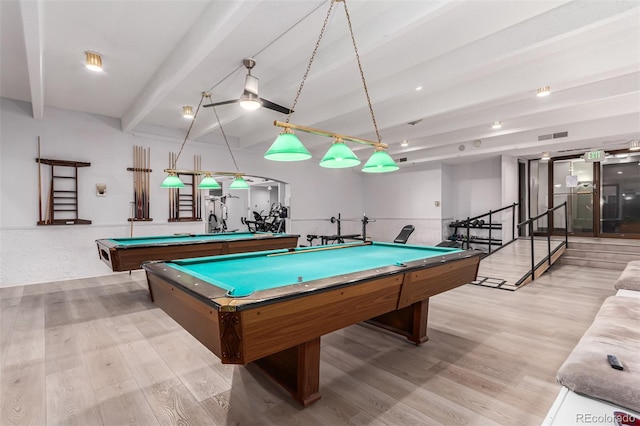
(130, 257)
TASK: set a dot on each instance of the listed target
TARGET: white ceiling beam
(32, 29)
(217, 21)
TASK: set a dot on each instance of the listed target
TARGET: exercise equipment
(338, 237)
(404, 234)
(274, 221)
(217, 223)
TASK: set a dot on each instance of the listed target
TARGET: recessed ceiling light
(93, 61)
(405, 143)
(620, 172)
(418, 88)
(496, 125)
(544, 91)
(545, 156)
(634, 145)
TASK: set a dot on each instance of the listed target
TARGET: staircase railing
(468, 224)
(547, 258)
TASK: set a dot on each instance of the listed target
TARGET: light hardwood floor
(97, 351)
(517, 256)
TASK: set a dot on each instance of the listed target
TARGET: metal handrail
(490, 215)
(529, 224)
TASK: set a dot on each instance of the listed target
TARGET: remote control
(614, 363)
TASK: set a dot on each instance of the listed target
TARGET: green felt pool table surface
(186, 238)
(244, 274)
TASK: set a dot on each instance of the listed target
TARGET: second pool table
(271, 307)
(126, 254)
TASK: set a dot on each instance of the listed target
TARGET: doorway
(603, 198)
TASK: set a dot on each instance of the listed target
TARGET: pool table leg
(297, 369)
(410, 321)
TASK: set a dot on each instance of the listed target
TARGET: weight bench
(403, 236)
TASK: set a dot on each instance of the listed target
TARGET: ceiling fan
(250, 99)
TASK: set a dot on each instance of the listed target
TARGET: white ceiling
(476, 61)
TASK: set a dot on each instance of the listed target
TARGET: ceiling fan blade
(275, 107)
(221, 103)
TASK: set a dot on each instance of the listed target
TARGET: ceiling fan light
(208, 182)
(380, 162)
(239, 183)
(339, 156)
(172, 181)
(249, 101)
(287, 147)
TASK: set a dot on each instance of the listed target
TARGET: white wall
(509, 168)
(405, 198)
(477, 187)
(31, 253)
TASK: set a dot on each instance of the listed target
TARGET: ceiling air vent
(553, 136)
(402, 160)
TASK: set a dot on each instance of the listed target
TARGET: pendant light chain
(224, 134)
(313, 55)
(364, 83)
(193, 120)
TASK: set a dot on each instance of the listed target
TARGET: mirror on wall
(261, 208)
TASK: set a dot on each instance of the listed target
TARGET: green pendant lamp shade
(380, 162)
(239, 183)
(339, 156)
(208, 183)
(287, 147)
(172, 181)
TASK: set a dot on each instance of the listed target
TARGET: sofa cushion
(615, 331)
(630, 277)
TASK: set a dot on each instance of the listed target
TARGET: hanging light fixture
(208, 182)
(380, 162)
(339, 156)
(634, 145)
(93, 61)
(239, 183)
(288, 147)
(173, 181)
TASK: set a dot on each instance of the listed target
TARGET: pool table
(271, 308)
(126, 254)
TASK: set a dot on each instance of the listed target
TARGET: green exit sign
(594, 156)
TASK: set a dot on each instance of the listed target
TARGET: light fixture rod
(329, 134)
(202, 172)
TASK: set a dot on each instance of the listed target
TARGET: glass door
(620, 195)
(573, 182)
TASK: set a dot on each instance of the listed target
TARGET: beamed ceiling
(476, 61)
